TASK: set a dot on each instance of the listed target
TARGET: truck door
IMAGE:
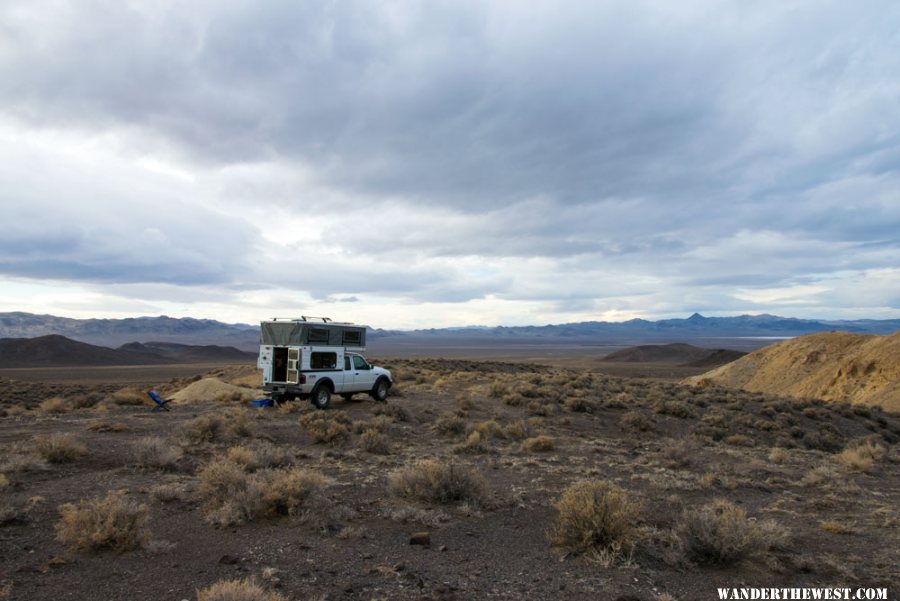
(363, 376)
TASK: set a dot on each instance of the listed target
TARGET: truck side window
(346, 363)
(359, 362)
(323, 360)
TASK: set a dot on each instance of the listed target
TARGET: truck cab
(314, 358)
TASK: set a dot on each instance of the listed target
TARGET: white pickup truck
(312, 360)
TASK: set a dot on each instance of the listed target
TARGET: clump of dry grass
(517, 430)
(444, 482)
(395, 412)
(55, 405)
(674, 408)
(233, 496)
(327, 427)
(373, 441)
(778, 455)
(107, 426)
(596, 518)
(475, 443)
(861, 457)
(237, 590)
(230, 495)
(204, 428)
(166, 493)
(539, 444)
(59, 447)
(153, 452)
(130, 396)
(111, 522)
(450, 423)
(720, 533)
(291, 491)
(635, 420)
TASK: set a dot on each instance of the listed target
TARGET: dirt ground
(670, 448)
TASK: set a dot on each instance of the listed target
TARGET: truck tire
(347, 396)
(321, 396)
(380, 390)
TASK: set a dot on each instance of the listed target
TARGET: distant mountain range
(189, 331)
(54, 350)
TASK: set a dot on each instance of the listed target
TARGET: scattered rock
(229, 560)
(420, 538)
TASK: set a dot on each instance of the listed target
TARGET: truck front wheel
(380, 390)
(321, 396)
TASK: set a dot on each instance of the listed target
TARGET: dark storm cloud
(633, 147)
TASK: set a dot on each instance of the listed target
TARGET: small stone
(229, 560)
(442, 548)
(420, 538)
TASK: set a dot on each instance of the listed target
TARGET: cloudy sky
(418, 164)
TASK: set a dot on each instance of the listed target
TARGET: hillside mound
(58, 351)
(189, 353)
(858, 368)
(214, 389)
(678, 353)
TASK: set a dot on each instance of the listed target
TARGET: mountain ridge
(192, 331)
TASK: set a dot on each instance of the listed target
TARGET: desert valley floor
(450, 490)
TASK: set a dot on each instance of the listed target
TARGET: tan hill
(679, 353)
(859, 368)
(58, 351)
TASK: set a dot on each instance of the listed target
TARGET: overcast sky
(419, 164)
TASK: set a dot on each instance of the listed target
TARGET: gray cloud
(596, 158)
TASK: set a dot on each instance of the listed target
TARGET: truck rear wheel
(380, 390)
(321, 396)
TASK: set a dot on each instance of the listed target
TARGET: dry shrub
(861, 457)
(166, 493)
(130, 396)
(488, 429)
(635, 420)
(4, 481)
(109, 523)
(395, 412)
(836, 527)
(450, 423)
(290, 491)
(240, 422)
(539, 444)
(498, 390)
(679, 453)
(205, 428)
(233, 496)
(778, 455)
(374, 442)
(465, 402)
(327, 427)
(156, 453)
(596, 518)
(21, 462)
(237, 590)
(230, 495)
(242, 456)
(720, 533)
(739, 440)
(517, 430)
(540, 408)
(445, 482)
(579, 404)
(59, 448)
(475, 443)
(674, 408)
(55, 405)
(107, 426)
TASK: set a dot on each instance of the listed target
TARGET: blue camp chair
(161, 404)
